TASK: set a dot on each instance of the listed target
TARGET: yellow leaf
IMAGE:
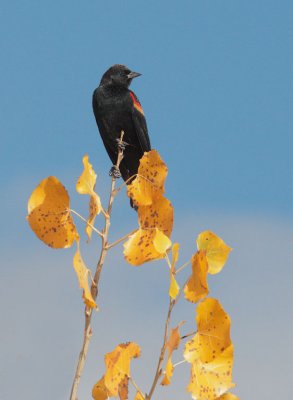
(139, 396)
(210, 380)
(168, 373)
(216, 250)
(161, 242)
(82, 273)
(175, 255)
(213, 332)
(197, 286)
(174, 287)
(118, 366)
(140, 248)
(100, 391)
(87, 180)
(149, 183)
(159, 215)
(94, 209)
(228, 396)
(86, 185)
(49, 214)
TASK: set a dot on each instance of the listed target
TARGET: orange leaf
(159, 215)
(123, 389)
(210, 380)
(146, 245)
(217, 251)
(174, 339)
(118, 365)
(85, 185)
(171, 345)
(213, 332)
(49, 214)
(82, 273)
(100, 391)
(197, 286)
(149, 183)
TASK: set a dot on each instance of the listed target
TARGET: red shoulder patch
(136, 103)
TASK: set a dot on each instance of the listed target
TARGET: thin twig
(188, 335)
(109, 246)
(179, 363)
(168, 261)
(183, 266)
(83, 219)
(135, 386)
(94, 286)
(162, 353)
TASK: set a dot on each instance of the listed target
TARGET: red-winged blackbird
(117, 109)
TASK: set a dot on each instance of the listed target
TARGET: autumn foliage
(209, 349)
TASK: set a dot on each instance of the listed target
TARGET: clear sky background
(217, 93)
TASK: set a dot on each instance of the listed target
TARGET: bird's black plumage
(117, 108)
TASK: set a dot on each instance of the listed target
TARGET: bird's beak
(132, 75)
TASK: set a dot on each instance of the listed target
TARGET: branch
(94, 286)
(162, 353)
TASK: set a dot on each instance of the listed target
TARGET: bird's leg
(121, 145)
(115, 172)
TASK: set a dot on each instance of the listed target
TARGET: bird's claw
(114, 171)
(121, 145)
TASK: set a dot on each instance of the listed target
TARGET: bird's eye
(127, 71)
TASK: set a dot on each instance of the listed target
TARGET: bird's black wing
(140, 125)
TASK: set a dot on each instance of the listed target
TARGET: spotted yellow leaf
(99, 391)
(140, 247)
(118, 366)
(49, 214)
(86, 185)
(159, 215)
(210, 380)
(82, 273)
(216, 250)
(213, 332)
(197, 286)
(149, 182)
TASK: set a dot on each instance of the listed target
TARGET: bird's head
(118, 75)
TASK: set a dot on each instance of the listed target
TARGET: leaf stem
(94, 287)
(109, 246)
(183, 266)
(135, 385)
(83, 219)
(179, 363)
(188, 335)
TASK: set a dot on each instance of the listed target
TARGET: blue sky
(217, 94)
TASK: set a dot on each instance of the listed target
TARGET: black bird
(117, 109)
